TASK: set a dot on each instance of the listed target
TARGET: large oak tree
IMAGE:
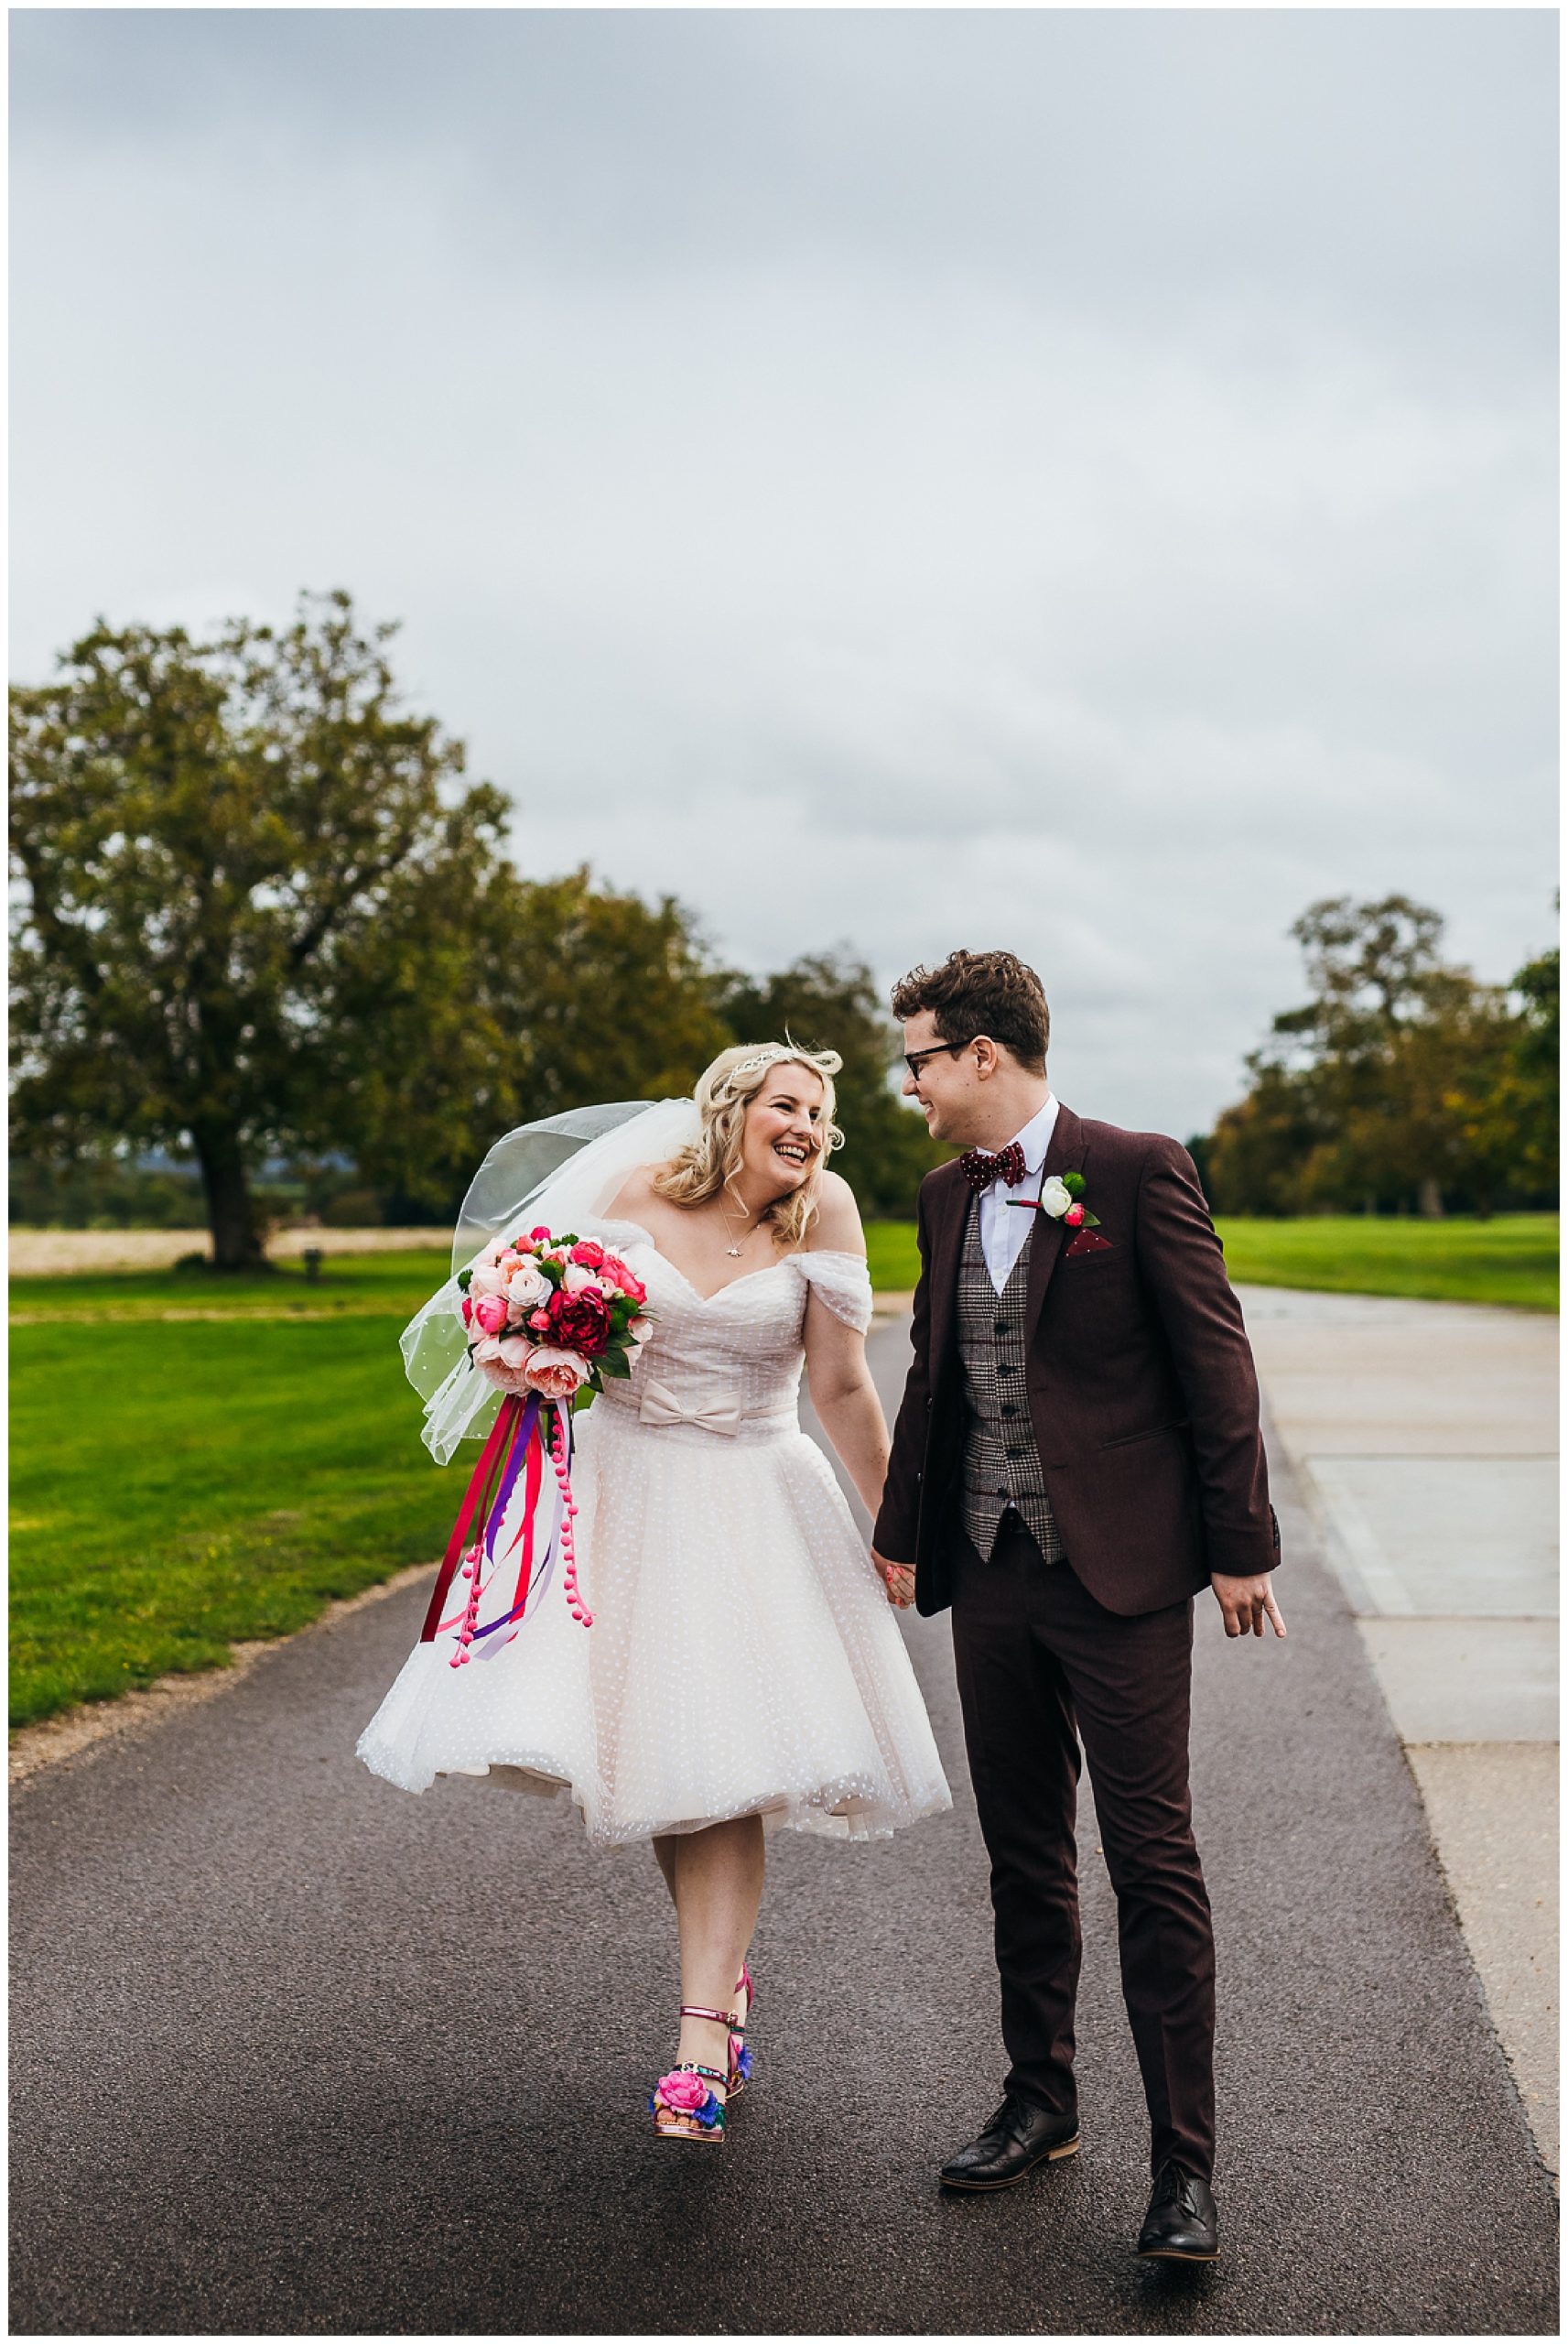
(259, 911)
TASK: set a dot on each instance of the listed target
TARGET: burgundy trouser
(1040, 1663)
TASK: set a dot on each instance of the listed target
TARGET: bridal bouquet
(548, 1319)
(555, 1316)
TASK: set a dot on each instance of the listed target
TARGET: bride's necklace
(734, 1251)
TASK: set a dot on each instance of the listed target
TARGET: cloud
(1080, 481)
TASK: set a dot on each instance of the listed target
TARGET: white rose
(486, 1280)
(527, 1285)
(576, 1278)
(1055, 1198)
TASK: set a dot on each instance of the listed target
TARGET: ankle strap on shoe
(720, 2018)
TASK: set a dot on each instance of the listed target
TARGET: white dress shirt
(1002, 1230)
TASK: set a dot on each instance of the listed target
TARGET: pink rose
(540, 1236)
(527, 1285)
(467, 1310)
(633, 1288)
(486, 1350)
(540, 1320)
(489, 1313)
(555, 1375)
(682, 2092)
(1073, 1216)
(588, 1254)
(515, 1351)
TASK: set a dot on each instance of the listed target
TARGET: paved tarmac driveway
(294, 2053)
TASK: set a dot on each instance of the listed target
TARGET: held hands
(1245, 1604)
(897, 1579)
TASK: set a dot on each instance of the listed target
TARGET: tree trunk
(1430, 1200)
(231, 1215)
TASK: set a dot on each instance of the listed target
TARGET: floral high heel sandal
(740, 2058)
(684, 2104)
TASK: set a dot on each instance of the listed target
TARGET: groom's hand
(1247, 1603)
(897, 1579)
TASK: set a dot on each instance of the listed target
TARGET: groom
(1077, 1454)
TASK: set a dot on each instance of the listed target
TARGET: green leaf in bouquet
(463, 1278)
(615, 1363)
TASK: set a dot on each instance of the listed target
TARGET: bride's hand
(897, 1579)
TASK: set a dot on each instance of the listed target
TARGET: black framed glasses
(915, 1060)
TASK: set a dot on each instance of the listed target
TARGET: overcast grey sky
(1080, 481)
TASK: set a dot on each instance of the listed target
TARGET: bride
(742, 1672)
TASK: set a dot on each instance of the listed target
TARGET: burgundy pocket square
(1087, 1241)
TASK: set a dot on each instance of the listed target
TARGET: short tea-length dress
(743, 1658)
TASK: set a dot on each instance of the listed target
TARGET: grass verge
(198, 1462)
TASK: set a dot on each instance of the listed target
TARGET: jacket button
(1001, 1491)
(1008, 1408)
(1015, 1452)
(1002, 1327)
(1004, 1367)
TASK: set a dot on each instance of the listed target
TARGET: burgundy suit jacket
(1139, 1378)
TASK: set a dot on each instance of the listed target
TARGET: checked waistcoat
(1001, 1462)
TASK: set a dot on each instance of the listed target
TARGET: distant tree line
(1402, 1084)
(262, 921)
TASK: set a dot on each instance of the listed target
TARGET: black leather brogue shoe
(1183, 2222)
(1019, 2137)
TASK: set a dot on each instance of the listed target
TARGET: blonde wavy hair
(708, 1167)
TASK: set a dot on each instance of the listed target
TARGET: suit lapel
(1066, 1153)
(947, 1245)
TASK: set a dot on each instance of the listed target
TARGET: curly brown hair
(983, 992)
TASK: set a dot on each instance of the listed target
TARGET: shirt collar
(1035, 1137)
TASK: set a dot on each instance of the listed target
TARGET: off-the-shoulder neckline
(799, 1253)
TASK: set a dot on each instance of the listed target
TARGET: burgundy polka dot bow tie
(980, 1169)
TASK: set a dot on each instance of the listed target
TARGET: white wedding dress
(743, 1658)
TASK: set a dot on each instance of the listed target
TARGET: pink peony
(515, 1351)
(486, 1350)
(581, 1322)
(555, 1375)
(682, 2092)
(1073, 1216)
(489, 1313)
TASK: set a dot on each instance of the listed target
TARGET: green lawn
(196, 1463)
(1511, 1260)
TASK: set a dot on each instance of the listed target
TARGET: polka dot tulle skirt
(744, 1657)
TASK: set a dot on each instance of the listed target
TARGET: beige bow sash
(715, 1412)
